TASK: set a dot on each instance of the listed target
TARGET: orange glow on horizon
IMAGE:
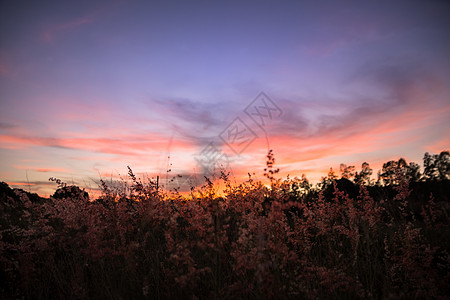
(19, 183)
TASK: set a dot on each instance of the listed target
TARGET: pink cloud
(50, 33)
(440, 145)
(40, 169)
(46, 170)
(357, 133)
(129, 145)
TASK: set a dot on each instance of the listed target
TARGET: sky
(88, 88)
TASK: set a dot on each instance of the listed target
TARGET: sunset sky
(90, 87)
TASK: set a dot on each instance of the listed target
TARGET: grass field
(286, 241)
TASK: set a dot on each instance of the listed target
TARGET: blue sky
(89, 88)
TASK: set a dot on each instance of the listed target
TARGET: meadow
(345, 238)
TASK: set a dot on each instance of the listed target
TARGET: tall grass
(255, 242)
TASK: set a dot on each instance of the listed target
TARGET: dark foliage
(346, 238)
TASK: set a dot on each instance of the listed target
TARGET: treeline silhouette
(434, 180)
(349, 236)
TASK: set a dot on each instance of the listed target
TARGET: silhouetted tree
(332, 175)
(388, 172)
(363, 177)
(347, 172)
(304, 183)
(299, 187)
(429, 167)
(71, 191)
(413, 172)
(443, 165)
(436, 167)
(394, 170)
(329, 179)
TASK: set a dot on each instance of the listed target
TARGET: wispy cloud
(41, 169)
(130, 145)
(192, 117)
(52, 32)
(409, 100)
(4, 125)
(442, 144)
